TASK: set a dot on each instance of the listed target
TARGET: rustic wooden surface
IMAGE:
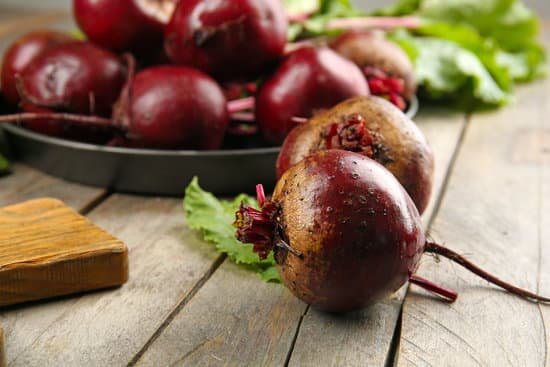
(3, 361)
(43, 241)
(186, 305)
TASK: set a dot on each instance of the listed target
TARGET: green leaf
(402, 7)
(214, 218)
(4, 165)
(448, 71)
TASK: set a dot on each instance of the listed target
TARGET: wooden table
(187, 305)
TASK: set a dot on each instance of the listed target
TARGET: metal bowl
(148, 171)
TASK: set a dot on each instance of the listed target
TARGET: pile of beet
(190, 74)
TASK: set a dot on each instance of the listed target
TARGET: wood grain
(491, 213)
(109, 328)
(236, 319)
(364, 338)
(49, 250)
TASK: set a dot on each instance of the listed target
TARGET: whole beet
(345, 234)
(74, 77)
(358, 232)
(387, 67)
(308, 80)
(173, 107)
(227, 39)
(21, 53)
(125, 25)
(374, 128)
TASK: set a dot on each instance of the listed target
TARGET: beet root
(308, 80)
(227, 39)
(125, 25)
(173, 107)
(75, 77)
(374, 128)
(357, 230)
(21, 53)
(345, 233)
(389, 71)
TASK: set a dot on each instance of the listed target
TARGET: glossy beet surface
(21, 53)
(376, 55)
(375, 128)
(358, 231)
(309, 80)
(174, 107)
(74, 77)
(124, 25)
(227, 38)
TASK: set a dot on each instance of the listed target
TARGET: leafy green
(446, 70)
(501, 34)
(495, 43)
(4, 165)
(214, 218)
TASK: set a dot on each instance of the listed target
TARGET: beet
(308, 80)
(74, 77)
(164, 107)
(345, 233)
(374, 128)
(388, 69)
(227, 39)
(174, 107)
(21, 53)
(125, 25)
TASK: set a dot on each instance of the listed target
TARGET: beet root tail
(434, 248)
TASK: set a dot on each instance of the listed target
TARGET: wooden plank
(231, 319)
(236, 319)
(47, 250)
(364, 337)
(26, 183)
(108, 328)
(492, 213)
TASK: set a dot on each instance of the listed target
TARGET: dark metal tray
(147, 171)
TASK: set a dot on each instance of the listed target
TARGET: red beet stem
(299, 120)
(364, 23)
(260, 194)
(243, 116)
(66, 117)
(242, 104)
(446, 293)
(434, 248)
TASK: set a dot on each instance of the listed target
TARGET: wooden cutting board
(47, 250)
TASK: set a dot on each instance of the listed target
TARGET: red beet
(174, 107)
(21, 53)
(160, 107)
(309, 80)
(125, 25)
(345, 233)
(388, 69)
(374, 128)
(228, 39)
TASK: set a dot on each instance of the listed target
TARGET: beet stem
(66, 117)
(243, 116)
(445, 293)
(242, 104)
(299, 120)
(434, 248)
(260, 195)
(363, 23)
